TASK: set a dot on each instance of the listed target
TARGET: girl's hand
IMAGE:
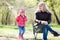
(44, 22)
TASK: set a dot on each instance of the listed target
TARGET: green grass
(12, 31)
(14, 27)
(27, 26)
(55, 25)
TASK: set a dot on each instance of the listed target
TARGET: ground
(12, 34)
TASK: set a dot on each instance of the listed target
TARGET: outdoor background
(10, 8)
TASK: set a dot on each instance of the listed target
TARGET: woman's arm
(36, 18)
(49, 18)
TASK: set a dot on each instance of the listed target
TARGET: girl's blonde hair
(46, 9)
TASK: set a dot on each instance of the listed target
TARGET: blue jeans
(45, 31)
(21, 30)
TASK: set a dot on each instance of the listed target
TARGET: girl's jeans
(21, 30)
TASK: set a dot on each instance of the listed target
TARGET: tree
(52, 5)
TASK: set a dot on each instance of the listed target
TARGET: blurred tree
(7, 16)
(53, 3)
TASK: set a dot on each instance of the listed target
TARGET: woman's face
(41, 8)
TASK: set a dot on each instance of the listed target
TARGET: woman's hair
(46, 9)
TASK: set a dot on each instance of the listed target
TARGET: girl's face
(41, 8)
(22, 14)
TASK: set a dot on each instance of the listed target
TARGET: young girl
(21, 20)
(43, 15)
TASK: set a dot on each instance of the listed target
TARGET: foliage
(7, 18)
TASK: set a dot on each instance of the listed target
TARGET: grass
(27, 26)
(15, 27)
(12, 31)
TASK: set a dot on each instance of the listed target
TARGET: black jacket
(43, 16)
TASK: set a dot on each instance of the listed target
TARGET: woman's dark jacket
(44, 16)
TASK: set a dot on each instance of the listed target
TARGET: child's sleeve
(26, 19)
(17, 19)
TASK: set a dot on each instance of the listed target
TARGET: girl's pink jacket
(21, 20)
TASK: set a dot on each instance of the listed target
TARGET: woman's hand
(44, 22)
(37, 21)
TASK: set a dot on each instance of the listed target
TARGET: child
(21, 20)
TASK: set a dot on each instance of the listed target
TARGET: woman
(43, 16)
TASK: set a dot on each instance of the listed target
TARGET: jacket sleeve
(49, 18)
(25, 18)
(17, 19)
(36, 16)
